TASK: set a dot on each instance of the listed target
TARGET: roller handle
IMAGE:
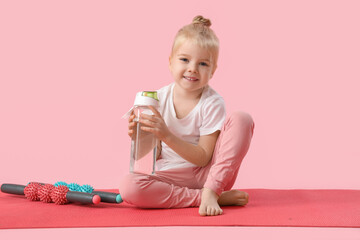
(13, 188)
(109, 197)
(81, 197)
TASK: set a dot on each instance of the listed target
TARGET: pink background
(70, 69)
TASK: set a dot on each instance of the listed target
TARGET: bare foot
(211, 202)
(209, 205)
(233, 197)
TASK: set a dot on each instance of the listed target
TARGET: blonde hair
(200, 32)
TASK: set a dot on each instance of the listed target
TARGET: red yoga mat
(291, 208)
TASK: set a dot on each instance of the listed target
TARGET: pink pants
(178, 188)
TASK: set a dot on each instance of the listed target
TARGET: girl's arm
(199, 155)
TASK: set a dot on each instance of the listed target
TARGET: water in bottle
(143, 144)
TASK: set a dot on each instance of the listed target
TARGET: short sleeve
(213, 115)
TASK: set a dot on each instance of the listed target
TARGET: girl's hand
(155, 124)
(132, 124)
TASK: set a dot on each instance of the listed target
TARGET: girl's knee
(139, 190)
(130, 187)
(242, 119)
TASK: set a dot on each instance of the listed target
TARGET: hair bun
(201, 20)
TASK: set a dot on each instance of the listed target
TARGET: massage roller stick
(108, 197)
(57, 194)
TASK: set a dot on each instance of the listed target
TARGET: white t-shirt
(205, 118)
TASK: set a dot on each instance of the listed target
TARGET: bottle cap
(144, 98)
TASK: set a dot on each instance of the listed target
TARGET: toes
(246, 196)
(202, 211)
(209, 211)
(246, 199)
(243, 198)
(242, 202)
(241, 194)
(214, 211)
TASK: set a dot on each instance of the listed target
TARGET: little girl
(201, 151)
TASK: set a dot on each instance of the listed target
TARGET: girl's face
(191, 67)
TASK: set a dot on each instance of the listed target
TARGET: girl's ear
(170, 63)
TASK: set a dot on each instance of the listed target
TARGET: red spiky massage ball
(31, 191)
(44, 192)
(58, 194)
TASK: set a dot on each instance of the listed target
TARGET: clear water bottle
(143, 144)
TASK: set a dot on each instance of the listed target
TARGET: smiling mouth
(193, 79)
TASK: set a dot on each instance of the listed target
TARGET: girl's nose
(192, 68)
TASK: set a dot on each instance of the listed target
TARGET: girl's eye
(184, 59)
(204, 64)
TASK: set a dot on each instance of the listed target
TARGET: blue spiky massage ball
(74, 187)
(87, 188)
